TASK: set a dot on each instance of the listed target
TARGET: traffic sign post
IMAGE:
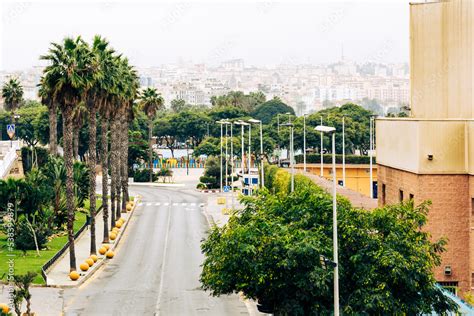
(11, 133)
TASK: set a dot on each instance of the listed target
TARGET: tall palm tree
(150, 102)
(69, 76)
(47, 99)
(79, 118)
(12, 93)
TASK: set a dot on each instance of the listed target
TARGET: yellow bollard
(221, 200)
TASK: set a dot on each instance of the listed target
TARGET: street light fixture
(243, 124)
(304, 142)
(291, 154)
(254, 121)
(332, 130)
(221, 123)
(321, 172)
(343, 151)
(371, 132)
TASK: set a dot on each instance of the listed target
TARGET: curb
(103, 259)
(156, 184)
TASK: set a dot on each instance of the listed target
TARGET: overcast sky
(263, 33)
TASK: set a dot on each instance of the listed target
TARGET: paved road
(156, 270)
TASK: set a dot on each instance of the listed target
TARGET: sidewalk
(59, 272)
(216, 213)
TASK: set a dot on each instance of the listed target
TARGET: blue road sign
(226, 188)
(11, 130)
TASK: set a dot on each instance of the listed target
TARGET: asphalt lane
(157, 266)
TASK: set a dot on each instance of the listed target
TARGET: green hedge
(351, 159)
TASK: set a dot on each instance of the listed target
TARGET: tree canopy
(271, 251)
(266, 111)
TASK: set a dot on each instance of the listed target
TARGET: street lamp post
(232, 161)
(262, 172)
(242, 162)
(343, 153)
(327, 129)
(226, 157)
(221, 122)
(371, 132)
(304, 142)
(250, 158)
(321, 173)
(291, 154)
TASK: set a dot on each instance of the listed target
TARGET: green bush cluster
(271, 251)
(327, 158)
(143, 175)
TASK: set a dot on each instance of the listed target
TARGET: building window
(400, 195)
(412, 196)
(450, 286)
(383, 194)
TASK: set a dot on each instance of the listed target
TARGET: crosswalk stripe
(183, 204)
(174, 204)
(148, 204)
(158, 203)
(166, 204)
(192, 204)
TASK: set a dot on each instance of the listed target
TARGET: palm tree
(47, 99)
(69, 76)
(12, 93)
(130, 95)
(79, 118)
(151, 102)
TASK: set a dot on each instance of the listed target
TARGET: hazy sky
(262, 33)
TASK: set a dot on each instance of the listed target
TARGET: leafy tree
(266, 111)
(151, 102)
(178, 105)
(239, 100)
(210, 146)
(189, 125)
(12, 93)
(271, 252)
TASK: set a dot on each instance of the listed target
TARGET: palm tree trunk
(53, 130)
(113, 176)
(118, 182)
(92, 173)
(150, 153)
(105, 170)
(68, 161)
(76, 143)
(124, 163)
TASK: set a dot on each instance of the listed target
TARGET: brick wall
(449, 216)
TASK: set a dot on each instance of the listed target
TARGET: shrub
(143, 175)
(24, 239)
(27, 157)
(201, 186)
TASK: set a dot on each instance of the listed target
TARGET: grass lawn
(31, 261)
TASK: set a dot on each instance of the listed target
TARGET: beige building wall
(441, 57)
(441, 126)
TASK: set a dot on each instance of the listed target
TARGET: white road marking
(174, 204)
(148, 204)
(166, 204)
(183, 204)
(165, 251)
(192, 204)
(158, 203)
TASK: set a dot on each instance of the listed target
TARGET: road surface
(157, 266)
